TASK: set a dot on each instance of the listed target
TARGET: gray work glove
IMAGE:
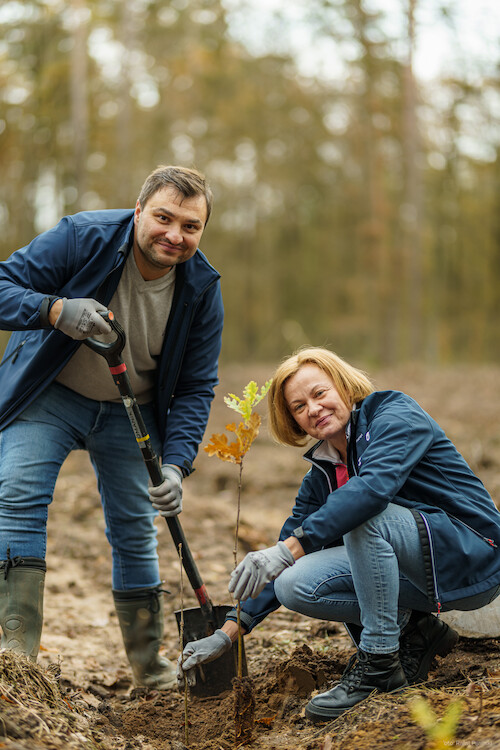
(167, 497)
(79, 318)
(258, 568)
(201, 652)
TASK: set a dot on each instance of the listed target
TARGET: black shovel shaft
(112, 353)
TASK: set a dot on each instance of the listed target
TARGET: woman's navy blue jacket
(397, 453)
(84, 256)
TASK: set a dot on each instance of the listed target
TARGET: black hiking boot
(365, 674)
(422, 639)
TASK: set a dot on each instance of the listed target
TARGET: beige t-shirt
(142, 309)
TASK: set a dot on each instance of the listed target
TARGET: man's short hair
(188, 182)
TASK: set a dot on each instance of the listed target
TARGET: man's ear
(137, 212)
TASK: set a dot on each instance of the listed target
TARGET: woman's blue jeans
(376, 579)
(32, 450)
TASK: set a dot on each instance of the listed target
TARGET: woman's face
(316, 405)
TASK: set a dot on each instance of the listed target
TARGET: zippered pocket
(13, 355)
(477, 533)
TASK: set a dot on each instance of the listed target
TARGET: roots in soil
(244, 710)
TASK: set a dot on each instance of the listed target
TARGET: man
(57, 395)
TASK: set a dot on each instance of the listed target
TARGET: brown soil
(81, 696)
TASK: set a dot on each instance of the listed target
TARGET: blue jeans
(375, 580)
(32, 450)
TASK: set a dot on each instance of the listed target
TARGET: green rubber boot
(140, 614)
(21, 604)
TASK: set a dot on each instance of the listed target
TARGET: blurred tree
(411, 218)
(31, 97)
(79, 104)
(365, 109)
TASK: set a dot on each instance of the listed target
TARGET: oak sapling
(245, 433)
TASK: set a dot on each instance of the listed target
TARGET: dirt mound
(278, 690)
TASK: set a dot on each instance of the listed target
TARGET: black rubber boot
(365, 674)
(422, 639)
(22, 582)
(140, 614)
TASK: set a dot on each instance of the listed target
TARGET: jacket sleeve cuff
(184, 466)
(45, 309)
(303, 538)
(246, 619)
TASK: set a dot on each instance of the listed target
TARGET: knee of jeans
(375, 525)
(356, 535)
(284, 588)
(141, 543)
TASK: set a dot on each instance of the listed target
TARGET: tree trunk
(79, 107)
(411, 208)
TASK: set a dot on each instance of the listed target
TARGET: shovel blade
(216, 676)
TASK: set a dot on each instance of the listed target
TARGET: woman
(390, 524)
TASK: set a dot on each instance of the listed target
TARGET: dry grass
(33, 710)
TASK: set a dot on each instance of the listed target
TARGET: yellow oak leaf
(245, 433)
(219, 446)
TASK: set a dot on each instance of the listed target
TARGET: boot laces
(154, 599)
(355, 671)
(10, 562)
(410, 653)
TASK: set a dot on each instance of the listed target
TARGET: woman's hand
(258, 568)
(200, 652)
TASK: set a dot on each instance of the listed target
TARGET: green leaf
(251, 397)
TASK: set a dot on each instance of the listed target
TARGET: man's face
(167, 231)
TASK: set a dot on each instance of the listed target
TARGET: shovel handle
(110, 350)
(112, 353)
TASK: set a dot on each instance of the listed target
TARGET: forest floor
(80, 694)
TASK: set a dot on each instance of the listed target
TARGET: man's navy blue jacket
(84, 256)
(397, 453)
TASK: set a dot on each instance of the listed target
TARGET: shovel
(214, 677)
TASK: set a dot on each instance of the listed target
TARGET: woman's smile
(316, 405)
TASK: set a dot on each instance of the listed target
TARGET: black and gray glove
(201, 652)
(79, 318)
(258, 568)
(167, 496)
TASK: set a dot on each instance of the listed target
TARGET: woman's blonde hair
(352, 384)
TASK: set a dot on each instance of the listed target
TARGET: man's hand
(167, 497)
(258, 568)
(79, 318)
(201, 652)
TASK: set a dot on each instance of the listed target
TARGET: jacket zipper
(477, 533)
(13, 355)
(118, 263)
(433, 565)
(185, 305)
(314, 463)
